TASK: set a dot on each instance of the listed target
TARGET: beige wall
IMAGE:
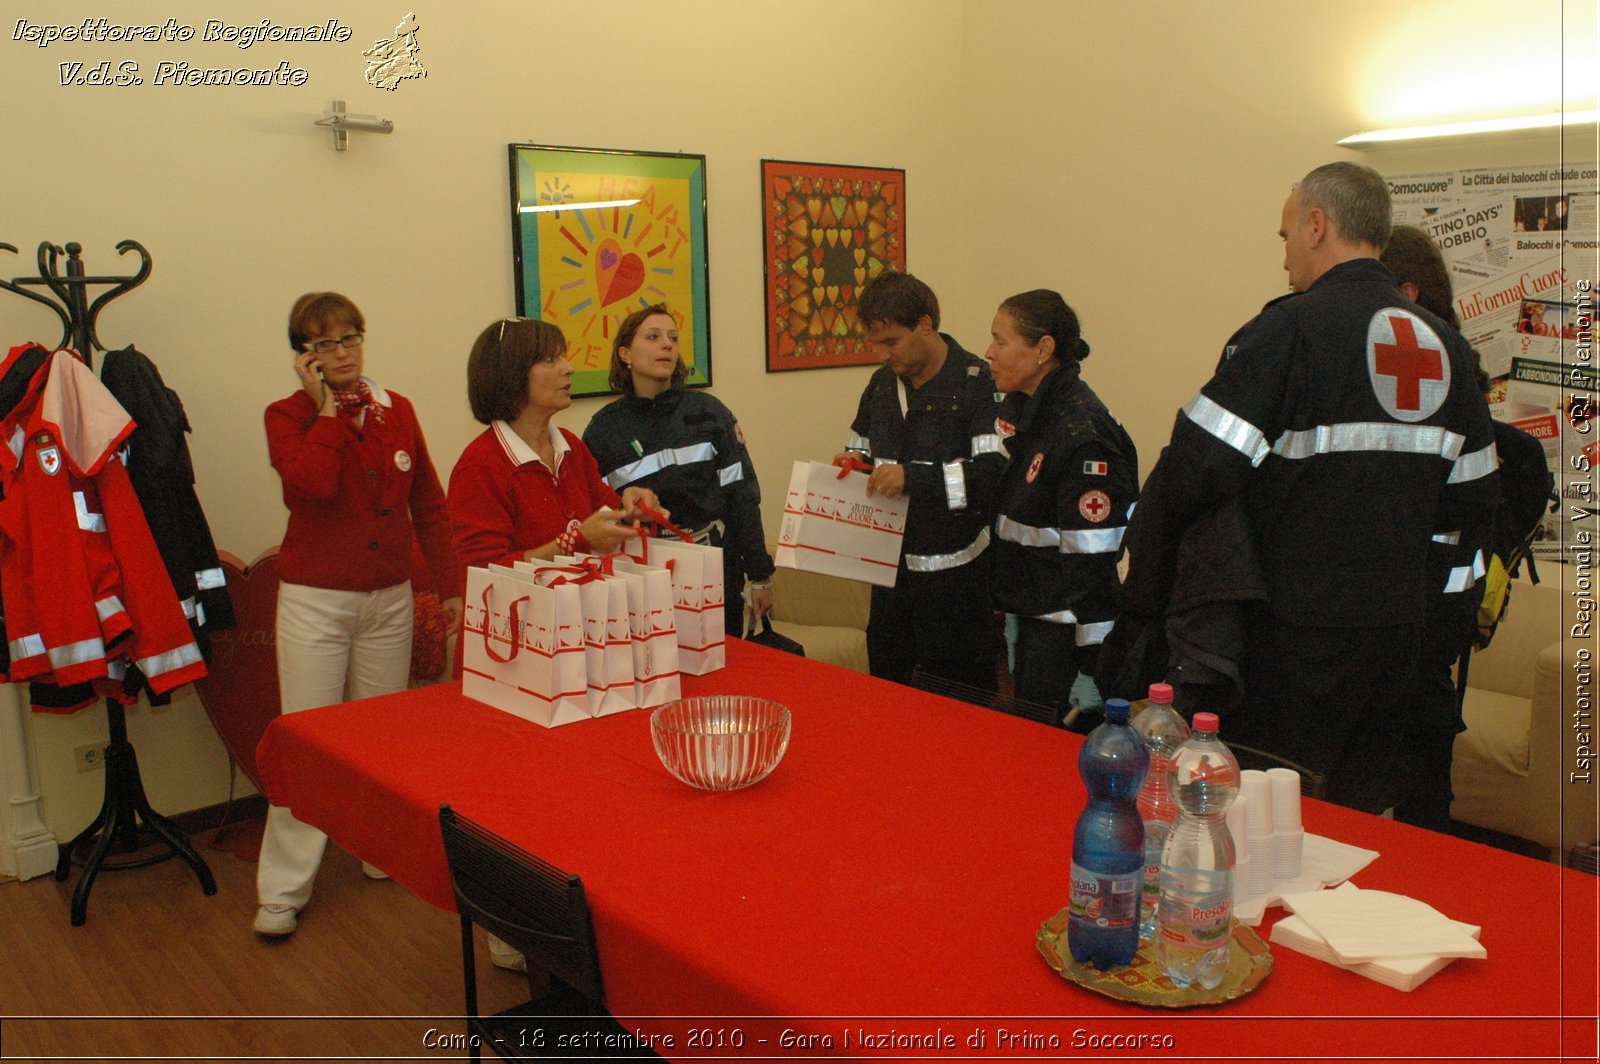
(1131, 153)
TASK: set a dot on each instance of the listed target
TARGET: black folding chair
(965, 692)
(543, 912)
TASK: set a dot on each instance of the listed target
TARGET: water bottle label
(1105, 901)
(1152, 882)
(1204, 923)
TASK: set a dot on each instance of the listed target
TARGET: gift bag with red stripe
(697, 595)
(607, 640)
(653, 624)
(831, 525)
(522, 646)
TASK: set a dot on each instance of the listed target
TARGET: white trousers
(333, 646)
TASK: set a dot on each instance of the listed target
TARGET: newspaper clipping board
(1520, 245)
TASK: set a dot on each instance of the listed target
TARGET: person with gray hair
(1346, 423)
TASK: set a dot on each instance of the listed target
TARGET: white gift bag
(607, 642)
(831, 526)
(652, 622)
(523, 647)
(698, 598)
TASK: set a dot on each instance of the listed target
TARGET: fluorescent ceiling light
(578, 206)
(1384, 138)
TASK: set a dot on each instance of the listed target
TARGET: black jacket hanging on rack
(163, 478)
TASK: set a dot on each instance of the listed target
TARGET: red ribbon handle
(851, 464)
(659, 519)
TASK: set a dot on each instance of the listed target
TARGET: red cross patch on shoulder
(1407, 363)
(49, 459)
(1094, 505)
(739, 433)
(1033, 467)
(1004, 428)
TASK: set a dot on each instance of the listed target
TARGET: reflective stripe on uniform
(989, 443)
(77, 653)
(1027, 535)
(1451, 538)
(209, 579)
(1092, 540)
(109, 607)
(1368, 436)
(955, 486)
(934, 563)
(1228, 427)
(858, 443)
(27, 646)
(655, 463)
(730, 474)
(87, 521)
(1462, 577)
(1094, 634)
(1479, 463)
(171, 661)
(1068, 541)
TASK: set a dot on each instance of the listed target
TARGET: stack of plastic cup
(1258, 829)
(1241, 848)
(1288, 836)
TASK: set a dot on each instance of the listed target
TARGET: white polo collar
(378, 393)
(518, 451)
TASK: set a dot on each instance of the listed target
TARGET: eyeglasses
(322, 347)
(503, 323)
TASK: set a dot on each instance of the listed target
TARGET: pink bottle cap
(1161, 692)
(1206, 722)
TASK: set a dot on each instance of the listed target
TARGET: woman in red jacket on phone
(360, 489)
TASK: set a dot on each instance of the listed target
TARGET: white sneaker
(373, 871)
(504, 956)
(276, 920)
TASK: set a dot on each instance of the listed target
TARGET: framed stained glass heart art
(826, 231)
(599, 233)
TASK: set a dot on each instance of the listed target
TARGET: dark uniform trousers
(1336, 700)
(942, 621)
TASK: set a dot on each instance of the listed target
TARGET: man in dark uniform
(1346, 420)
(926, 426)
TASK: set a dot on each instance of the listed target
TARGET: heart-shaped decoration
(617, 275)
(833, 293)
(861, 275)
(861, 255)
(817, 275)
(816, 238)
(833, 238)
(240, 693)
(814, 207)
(817, 293)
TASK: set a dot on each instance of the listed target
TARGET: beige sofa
(824, 614)
(1514, 765)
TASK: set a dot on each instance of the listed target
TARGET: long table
(891, 876)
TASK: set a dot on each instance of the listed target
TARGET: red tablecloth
(897, 867)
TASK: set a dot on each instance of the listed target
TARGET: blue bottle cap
(1117, 710)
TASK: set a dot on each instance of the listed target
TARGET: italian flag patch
(1095, 469)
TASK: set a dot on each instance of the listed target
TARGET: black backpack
(1527, 491)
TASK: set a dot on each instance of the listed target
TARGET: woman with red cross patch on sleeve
(1064, 499)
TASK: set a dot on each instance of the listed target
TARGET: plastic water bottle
(1163, 731)
(1108, 844)
(1196, 910)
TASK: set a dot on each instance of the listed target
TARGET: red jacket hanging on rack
(81, 578)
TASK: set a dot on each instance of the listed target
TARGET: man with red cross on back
(1345, 422)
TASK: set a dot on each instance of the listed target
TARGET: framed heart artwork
(600, 233)
(826, 231)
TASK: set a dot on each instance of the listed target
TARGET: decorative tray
(1144, 983)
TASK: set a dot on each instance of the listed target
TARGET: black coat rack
(125, 804)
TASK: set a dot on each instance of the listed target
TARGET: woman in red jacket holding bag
(360, 487)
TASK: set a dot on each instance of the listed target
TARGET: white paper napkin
(1375, 925)
(1402, 973)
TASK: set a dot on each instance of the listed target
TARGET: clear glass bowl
(721, 742)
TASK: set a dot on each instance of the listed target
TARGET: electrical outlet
(91, 757)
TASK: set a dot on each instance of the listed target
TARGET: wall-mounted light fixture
(1521, 125)
(342, 123)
